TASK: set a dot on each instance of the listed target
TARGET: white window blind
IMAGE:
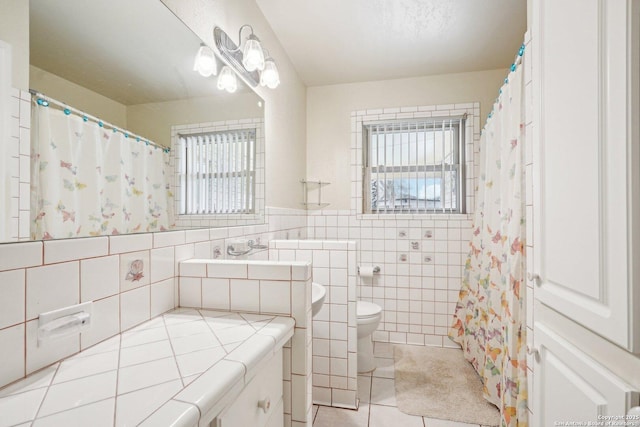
(217, 172)
(414, 166)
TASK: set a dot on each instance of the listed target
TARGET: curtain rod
(44, 100)
(517, 61)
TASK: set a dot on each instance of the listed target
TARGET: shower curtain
(489, 319)
(88, 180)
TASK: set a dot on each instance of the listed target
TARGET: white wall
(329, 112)
(285, 107)
(154, 120)
(14, 29)
(78, 96)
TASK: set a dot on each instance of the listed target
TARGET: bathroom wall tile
(134, 270)
(12, 305)
(73, 249)
(39, 356)
(162, 266)
(130, 243)
(322, 396)
(190, 292)
(193, 268)
(245, 295)
(198, 235)
(52, 287)
(299, 272)
(343, 398)
(135, 307)
(321, 258)
(27, 254)
(99, 277)
(300, 297)
(299, 361)
(168, 238)
(269, 272)
(298, 397)
(227, 270)
(162, 296)
(202, 250)
(12, 354)
(105, 322)
(275, 296)
(216, 294)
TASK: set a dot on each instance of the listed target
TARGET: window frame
(405, 125)
(251, 173)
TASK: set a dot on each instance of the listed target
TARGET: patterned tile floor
(377, 401)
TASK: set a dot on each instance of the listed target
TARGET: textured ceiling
(342, 41)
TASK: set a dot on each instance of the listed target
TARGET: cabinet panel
(267, 385)
(581, 233)
(570, 386)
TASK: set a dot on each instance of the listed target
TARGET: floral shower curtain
(88, 180)
(489, 319)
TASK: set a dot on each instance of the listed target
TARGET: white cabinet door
(257, 404)
(571, 387)
(583, 194)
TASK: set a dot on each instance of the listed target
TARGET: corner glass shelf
(313, 185)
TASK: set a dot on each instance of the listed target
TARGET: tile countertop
(167, 371)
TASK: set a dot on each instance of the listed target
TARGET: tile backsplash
(420, 276)
(130, 278)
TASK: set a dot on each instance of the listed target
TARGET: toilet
(369, 315)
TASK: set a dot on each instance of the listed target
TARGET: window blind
(414, 166)
(217, 172)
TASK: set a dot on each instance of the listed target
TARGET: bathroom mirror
(130, 63)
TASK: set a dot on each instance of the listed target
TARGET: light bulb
(253, 56)
(205, 62)
(270, 76)
(227, 80)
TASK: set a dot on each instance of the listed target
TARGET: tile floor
(377, 401)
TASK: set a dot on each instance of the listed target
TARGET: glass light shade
(253, 58)
(270, 76)
(205, 62)
(227, 80)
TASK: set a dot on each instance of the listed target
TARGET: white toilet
(369, 315)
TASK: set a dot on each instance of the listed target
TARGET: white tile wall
(420, 275)
(334, 327)
(90, 269)
(20, 142)
(262, 294)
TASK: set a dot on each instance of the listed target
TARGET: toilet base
(366, 362)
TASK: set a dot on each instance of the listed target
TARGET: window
(414, 166)
(217, 172)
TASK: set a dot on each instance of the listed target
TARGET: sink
(318, 292)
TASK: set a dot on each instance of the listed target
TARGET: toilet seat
(365, 309)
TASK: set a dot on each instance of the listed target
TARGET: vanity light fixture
(252, 61)
(253, 55)
(269, 76)
(205, 62)
(227, 80)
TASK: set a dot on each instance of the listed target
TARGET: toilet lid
(367, 309)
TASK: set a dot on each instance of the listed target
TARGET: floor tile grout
(351, 419)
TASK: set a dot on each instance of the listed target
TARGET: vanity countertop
(169, 371)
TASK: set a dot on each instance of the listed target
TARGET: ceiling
(343, 41)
